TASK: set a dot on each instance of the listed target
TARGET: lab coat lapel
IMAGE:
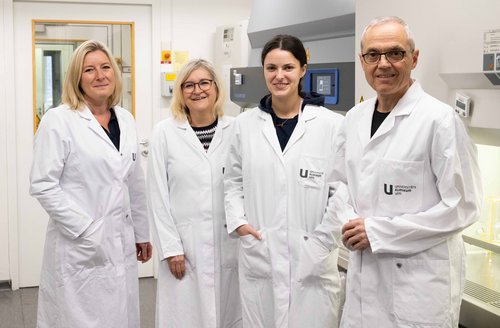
(365, 122)
(404, 107)
(269, 132)
(122, 123)
(190, 136)
(222, 124)
(309, 113)
(87, 115)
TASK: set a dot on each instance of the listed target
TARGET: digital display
(322, 84)
(460, 104)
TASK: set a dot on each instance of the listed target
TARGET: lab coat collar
(309, 113)
(270, 133)
(219, 134)
(194, 141)
(86, 114)
(404, 107)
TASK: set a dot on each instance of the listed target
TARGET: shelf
(468, 81)
(482, 244)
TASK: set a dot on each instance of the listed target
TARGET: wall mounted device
(167, 84)
(462, 104)
(325, 82)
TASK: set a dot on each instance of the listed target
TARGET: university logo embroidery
(390, 191)
(398, 189)
(304, 173)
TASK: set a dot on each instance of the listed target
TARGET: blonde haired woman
(87, 176)
(198, 277)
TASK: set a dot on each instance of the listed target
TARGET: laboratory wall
(190, 25)
(7, 149)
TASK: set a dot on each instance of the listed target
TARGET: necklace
(285, 121)
(280, 125)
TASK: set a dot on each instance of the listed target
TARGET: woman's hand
(144, 251)
(177, 266)
(247, 229)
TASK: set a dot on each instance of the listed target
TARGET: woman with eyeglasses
(198, 276)
(277, 191)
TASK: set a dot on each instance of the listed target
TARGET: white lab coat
(185, 192)
(290, 277)
(416, 182)
(95, 198)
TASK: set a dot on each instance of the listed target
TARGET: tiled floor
(18, 308)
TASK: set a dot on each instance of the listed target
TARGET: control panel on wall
(324, 81)
(462, 104)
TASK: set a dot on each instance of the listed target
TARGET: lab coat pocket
(311, 172)
(255, 261)
(400, 188)
(185, 230)
(128, 238)
(421, 291)
(88, 249)
(315, 262)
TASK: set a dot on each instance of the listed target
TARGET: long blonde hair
(72, 94)
(178, 106)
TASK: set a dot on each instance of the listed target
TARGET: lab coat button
(225, 225)
(306, 238)
(399, 265)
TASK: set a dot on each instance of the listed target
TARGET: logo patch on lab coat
(311, 172)
(311, 175)
(396, 190)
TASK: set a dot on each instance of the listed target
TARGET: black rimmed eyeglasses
(204, 85)
(392, 56)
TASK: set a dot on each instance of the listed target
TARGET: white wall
(190, 25)
(8, 183)
(424, 19)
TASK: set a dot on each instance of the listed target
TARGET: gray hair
(389, 19)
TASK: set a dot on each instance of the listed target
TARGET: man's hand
(177, 265)
(354, 235)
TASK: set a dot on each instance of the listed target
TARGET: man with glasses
(410, 172)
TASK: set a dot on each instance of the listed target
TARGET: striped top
(206, 133)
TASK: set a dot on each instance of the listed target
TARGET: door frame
(10, 115)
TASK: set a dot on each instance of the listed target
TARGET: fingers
(177, 266)
(354, 235)
(247, 229)
(144, 251)
(356, 242)
(255, 233)
(147, 252)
